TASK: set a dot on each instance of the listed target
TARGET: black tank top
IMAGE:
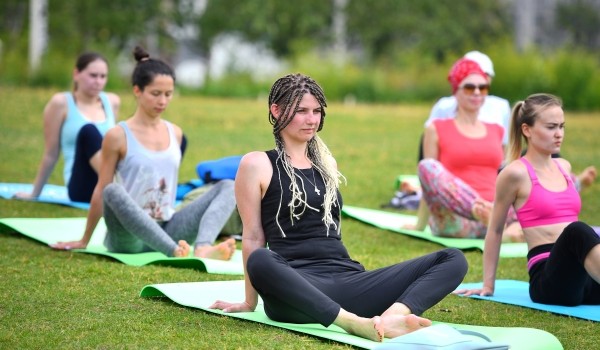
(307, 237)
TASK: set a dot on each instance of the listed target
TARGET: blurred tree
(582, 19)
(76, 25)
(284, 26)
(437, 27)
(13, 21)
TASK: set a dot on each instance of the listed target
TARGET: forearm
(94, 215)
(491, 253)
(248, 247)
(45, 169)
(422, 215)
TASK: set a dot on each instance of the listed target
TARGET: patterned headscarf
(462, 69)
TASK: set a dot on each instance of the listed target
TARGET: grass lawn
(51, 299)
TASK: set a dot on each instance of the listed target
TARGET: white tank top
(150, 177)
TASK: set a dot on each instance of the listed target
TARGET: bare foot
(397, 325)
(182, 250)
(368, 328)
(482, 210)
(221, 251)
(407, 187)
(587, 176)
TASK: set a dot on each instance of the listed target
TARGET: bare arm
(55, 113)
(430, 150)
(251, 182)
(507, 185)
(113, 147)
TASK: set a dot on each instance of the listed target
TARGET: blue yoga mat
(52, 194)
(517, 293)
(56, 194)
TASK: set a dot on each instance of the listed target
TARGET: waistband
(538, 253)
(536, 259)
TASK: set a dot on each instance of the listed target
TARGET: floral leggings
(450, 201)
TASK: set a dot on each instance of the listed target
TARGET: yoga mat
(55, 194)
(394, 221)
(52, 230)
(517, 293)
(410, 178)
(201, 295)
(52, 194)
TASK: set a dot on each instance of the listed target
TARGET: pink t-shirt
(473, 160)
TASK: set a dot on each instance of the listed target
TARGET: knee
(112, 191)
(427, 166)
(226, 186)
(89, 132)
(457, 262)
(257, 262)
(579, 231)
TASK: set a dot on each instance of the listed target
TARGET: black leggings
(315, 293)
(561, 279)
(83, 176)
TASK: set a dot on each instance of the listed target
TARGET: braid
(287, 92)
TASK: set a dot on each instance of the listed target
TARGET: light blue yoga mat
(55, 194)
(394, 221)
(52, 194)
(517, 293)
(52, 230)
(201, 295)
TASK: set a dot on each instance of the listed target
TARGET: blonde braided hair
(287, 92)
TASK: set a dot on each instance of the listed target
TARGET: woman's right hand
(484, 292)
(231, 307)
(69, 245)
(24, 195)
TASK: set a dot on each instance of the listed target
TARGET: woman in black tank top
(288, 200)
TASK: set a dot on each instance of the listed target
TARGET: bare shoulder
(114, 138)
(57, 102)
(515, 171)
(564, 164)
(255, 161)
(56, 108)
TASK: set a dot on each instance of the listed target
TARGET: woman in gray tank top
(138, 181)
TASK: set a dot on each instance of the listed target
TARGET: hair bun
(140, 54)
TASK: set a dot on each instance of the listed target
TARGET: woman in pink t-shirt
(461, 160)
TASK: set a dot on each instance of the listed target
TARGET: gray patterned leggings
(131, 230)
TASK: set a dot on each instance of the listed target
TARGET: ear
(275, 110)
(137, 91)
(526, 130)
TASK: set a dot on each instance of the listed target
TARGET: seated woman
(288, 200)
(564, 253)
(142, 155)
(75, 123)
(462, 157)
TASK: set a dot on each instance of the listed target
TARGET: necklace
(317, 191)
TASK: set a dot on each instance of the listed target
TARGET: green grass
(51, 299)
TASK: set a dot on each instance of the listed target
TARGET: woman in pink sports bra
(564, 253)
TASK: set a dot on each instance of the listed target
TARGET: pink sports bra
(544, 207)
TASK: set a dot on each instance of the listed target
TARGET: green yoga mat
(51, 230)
(201, 295)
(394, 221)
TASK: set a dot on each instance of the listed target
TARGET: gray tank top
(150, 177)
